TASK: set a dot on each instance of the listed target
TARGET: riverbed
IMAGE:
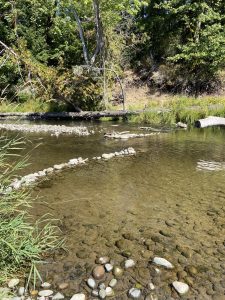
(167, 201)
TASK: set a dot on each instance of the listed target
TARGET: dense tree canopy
(53, 48)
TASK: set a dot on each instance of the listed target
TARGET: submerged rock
(109, 292)
(113, 282)
(58, 296)
(45, 293)
(129, 263)
(91, 283)
(108, 267)
(102, 260)
(45, 284)
(180, 287)
(102, 294)
(162, 262)
(63, 285)
(135, 293)
(78, 297)
(108, 156)
(117, 271)
(98, 272)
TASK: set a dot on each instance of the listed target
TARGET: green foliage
(188, 37)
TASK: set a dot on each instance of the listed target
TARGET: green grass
(22, 241)
(182, 108)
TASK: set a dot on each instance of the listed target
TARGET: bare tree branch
(99, 31)
(81, 33)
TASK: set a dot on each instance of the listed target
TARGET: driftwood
(84, 115)
(210, 121)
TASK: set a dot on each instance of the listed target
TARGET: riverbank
(167, 111)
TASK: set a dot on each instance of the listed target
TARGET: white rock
(109, 292)
(151, 286)
(158, 271)
(113, 282)
(16, 298)
(91, 283)
(108, 267)
(102, 294)
(16, 184)
(59, 167)
(13, 282)
(73, 161)
(129, 263)
(108, 156)
(162, 262)
(102, 286)
(180, 287)
(42, 173)
(58, 296)
(94, 293)
(45, 293)
(135, 293)
(49, 170)
(21, 291)
(78, 297)
(131, 150)
(46, 285)
(103, 260)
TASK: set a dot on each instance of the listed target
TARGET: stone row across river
(30, 179)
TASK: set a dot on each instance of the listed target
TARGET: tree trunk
(81, 33)
(99, 31)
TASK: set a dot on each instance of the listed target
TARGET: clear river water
(167, 201)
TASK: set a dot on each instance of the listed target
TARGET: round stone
(109, 292)
(102, 294)
(46, 285)
(135, 293)
(13, 282)
(151, 286)
(162, 262)
(102, 260)
(180, 287)
(63, 285)
(21, 291)
(91, 283)
(98, 272)
(108, 267)
(129, 263)
(34, 293)
(117, 271)
(78, 297)
(102, 286)
(113, 282)
(45, 293)
(58, 296)
(94, 293)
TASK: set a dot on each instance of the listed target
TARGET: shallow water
(159, 203)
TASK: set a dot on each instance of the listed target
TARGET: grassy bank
(181, 108)
(22, 241)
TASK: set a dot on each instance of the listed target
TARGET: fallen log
(210, 121)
